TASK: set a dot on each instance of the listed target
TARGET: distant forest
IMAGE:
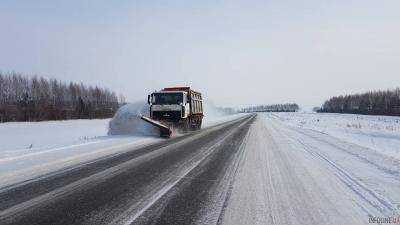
(289, 107)
(369, 103)
(38, 99)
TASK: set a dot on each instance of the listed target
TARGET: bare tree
(370, 103)
(38, 98)
(288, 107)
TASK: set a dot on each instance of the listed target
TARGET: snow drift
(127, 121)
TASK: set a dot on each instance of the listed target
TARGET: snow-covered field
(380, 133)
(30, 149)
(34, 148)
(22, 136)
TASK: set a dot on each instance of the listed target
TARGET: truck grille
(167, 115)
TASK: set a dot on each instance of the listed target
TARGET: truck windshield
(167, 98)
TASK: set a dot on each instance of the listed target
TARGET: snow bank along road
(253, 170)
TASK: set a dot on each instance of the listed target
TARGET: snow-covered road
(183, 175)
(253, 170)
(292, 175)
(29, 150)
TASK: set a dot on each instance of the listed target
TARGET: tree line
(288, 107)
(369, 103)
(37, 98)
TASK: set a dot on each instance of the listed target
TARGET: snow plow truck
(175, 109)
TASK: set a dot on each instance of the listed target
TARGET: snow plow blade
(165, 131)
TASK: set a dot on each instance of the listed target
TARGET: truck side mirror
(148, 99)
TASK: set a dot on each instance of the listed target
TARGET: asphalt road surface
(183, 180)
(253, 170)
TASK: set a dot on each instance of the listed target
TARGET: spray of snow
(215, 115)
(211, 111)
(127, 121)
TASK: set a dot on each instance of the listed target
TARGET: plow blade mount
(165, 131)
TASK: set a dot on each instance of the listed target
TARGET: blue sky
(236, 52)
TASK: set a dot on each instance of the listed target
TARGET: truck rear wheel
(194, 124)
